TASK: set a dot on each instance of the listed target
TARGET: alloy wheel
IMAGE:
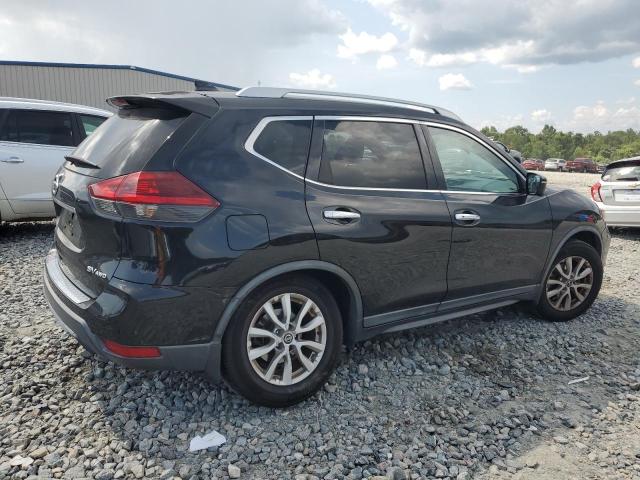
(569, 283)
(287, 338)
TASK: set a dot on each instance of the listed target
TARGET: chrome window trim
(253, 136)
(255, 133)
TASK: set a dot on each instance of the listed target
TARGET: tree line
(551, 143)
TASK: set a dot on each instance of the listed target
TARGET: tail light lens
(161, 196)
(595, 192)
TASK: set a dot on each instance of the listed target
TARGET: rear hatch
(620, 184)
(146, 131)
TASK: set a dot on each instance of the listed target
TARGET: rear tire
(298, 358)
(572, 284)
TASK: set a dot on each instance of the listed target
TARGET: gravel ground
(480, 397)
(580, 182)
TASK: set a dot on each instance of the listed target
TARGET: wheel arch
(337, 280)
(589, 235)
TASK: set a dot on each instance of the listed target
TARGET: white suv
(35, 136)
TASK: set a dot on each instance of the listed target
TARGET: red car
(581, 165)
(533, 164)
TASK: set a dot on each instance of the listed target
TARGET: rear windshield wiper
(80, 162)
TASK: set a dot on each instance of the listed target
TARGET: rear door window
(38, 127)
(371, 154)
(88, 123)
(285, 142)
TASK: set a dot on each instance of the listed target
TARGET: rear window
(626, 172)
(38, 127)
(285, 142)
(128, 139)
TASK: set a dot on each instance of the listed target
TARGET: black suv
(250, 235)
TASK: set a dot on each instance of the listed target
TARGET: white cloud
(454, 81)
(636, 62)
(386, 62)
(278, 36)
(519, 34)
(541, 116)
(313, 79)
(419, 57)
(354, 45)
(503, 122)
(637, 83)
(587, 118)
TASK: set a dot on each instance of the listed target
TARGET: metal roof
(199, 83)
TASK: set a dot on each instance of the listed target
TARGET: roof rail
(273, 92)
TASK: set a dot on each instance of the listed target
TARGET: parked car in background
(617, 193)
(365, 215)
(35, 137)
(585, 165)
(533, 164)
(556, 164)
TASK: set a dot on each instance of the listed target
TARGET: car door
(501, 236)
(33, 144)
(368, 200)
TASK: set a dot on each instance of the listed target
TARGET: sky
(574, 64)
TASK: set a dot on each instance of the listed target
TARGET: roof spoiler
(186, 102)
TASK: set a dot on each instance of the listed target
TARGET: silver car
(556, 164)
(617, 193)
(35, 136)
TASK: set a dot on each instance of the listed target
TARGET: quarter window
(285, 142)
(470, 167)
(37, 126)
(371, 155)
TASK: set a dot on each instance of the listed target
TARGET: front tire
(572, 284)
(283, 342)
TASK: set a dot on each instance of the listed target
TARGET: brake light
(162, 196)
(131, 352)
(595, 192)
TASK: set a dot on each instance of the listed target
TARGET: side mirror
(536, 184)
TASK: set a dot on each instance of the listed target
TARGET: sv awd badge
(96, 272)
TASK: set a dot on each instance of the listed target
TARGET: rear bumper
(620, 215)
(59, 292)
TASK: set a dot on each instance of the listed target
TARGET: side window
(38, 126)
(371, 155)
(89, 123)
(468, 166)
(9, 131)
(286, 142)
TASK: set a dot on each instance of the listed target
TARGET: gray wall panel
(84, 86)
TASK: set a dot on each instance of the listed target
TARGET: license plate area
(627, 195)
(70, 227)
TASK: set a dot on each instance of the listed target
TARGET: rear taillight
(161, 196)
(595, 192)
(131, 352)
